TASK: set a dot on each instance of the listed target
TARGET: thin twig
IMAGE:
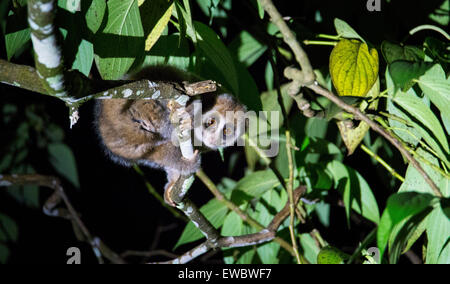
(99, 248)
(382, 162)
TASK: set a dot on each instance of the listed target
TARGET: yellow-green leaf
(155, 17)
(353, 68)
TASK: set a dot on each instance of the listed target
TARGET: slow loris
(140, 131)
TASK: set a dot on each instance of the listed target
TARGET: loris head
(222, 124)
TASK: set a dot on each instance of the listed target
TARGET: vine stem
(290, 186)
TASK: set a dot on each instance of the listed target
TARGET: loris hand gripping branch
(140, 131)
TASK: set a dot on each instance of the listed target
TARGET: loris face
(223, 125)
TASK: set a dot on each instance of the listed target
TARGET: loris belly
(140, 131)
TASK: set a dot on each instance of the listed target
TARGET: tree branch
(99, 248)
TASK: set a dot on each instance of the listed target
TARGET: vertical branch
(289, 38)
(48, 53)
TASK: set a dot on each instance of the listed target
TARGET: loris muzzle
(141, 131)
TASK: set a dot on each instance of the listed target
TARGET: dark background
(113, 201)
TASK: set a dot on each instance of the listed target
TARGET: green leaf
(169, 50)
(17, 34)
(407, 133)
(436, 86)
(309, 248)
(405, 73)
(234, 226)
(353, 68)
(438, 232)
(414, 181)
(400, 206)
(84, 57)
(94, 15)
(270, 103)
(331, 255)
(246, 48)
(405, 233)
(344, 30)
(423, 115)
(439, 15)
(255, 184)
(271, 203)
(393, 52)
(356, 192)
(63, 160)
(211, 45)
(215, 211)
(117, 46)
(8, 229)
(4, 253)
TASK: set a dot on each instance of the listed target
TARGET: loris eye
(227, 130)
(210, 121)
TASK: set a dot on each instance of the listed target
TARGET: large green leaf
(356, 192)
(420, 113)
(254, 185)
(400, 206)
(407, 133)
(94, 15)
(271, 203)
(235, 226)
(405, 73)
(215, 211)
(211, 45)
(414, 181)
(17, 34)
(436, 86)
(405, 234)
(117, 46)
(309, 248)
(438, 229)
